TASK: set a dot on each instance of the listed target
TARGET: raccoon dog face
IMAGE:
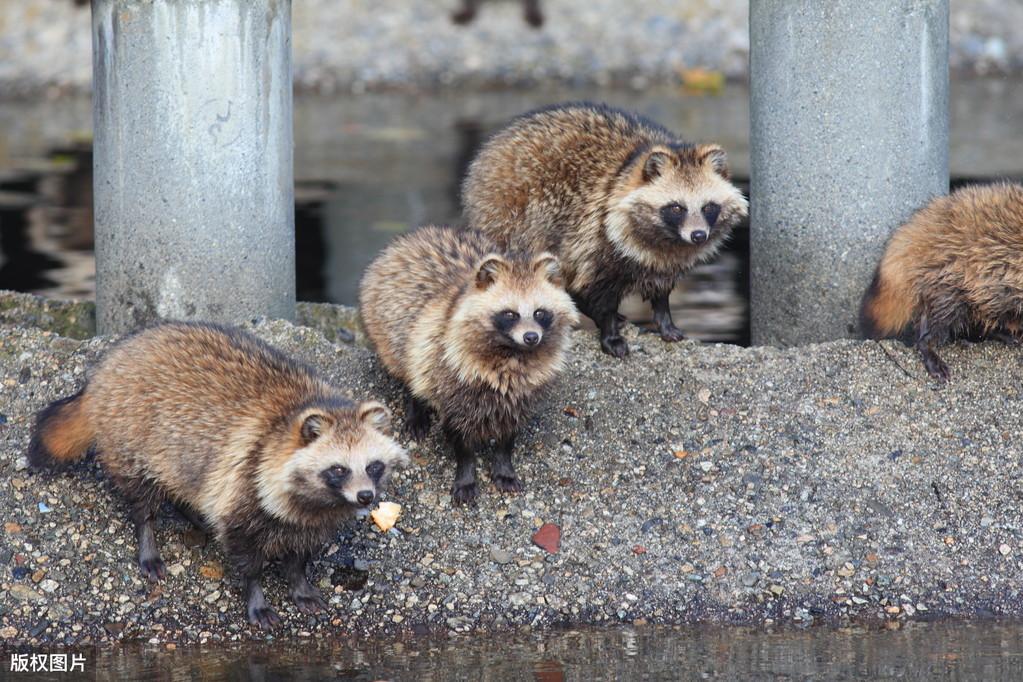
(517, 306)
(674, 197)
(343, 458)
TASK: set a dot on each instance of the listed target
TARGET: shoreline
(692, 484)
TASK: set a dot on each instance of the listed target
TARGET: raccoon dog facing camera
(624, 204)
(247, 442)
(474, 333)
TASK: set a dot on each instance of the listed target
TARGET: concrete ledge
(691, 483)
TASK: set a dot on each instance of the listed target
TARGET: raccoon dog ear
(488, 270)
(716, 158)
(654, 165)
(313, 426)
(375, 414)
(550, 265)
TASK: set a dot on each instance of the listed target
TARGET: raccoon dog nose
(698, 237)
(531, 338)
(365, 497)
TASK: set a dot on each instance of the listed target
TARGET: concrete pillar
(849, 135)
(194, 191)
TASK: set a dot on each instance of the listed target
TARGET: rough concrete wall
(365, 43)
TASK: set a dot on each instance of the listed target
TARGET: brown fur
(589, 183)
(428, 303)
(219, 422)
(954, 269)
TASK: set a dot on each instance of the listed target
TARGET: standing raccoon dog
(624, 204)
(955, 269)
(241, 437)
(474, 335)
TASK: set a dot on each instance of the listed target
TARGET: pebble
(548, 538)
(1004, 549)
(500, 556)
(23, 592)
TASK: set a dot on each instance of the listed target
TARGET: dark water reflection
(373, 166)
(987, 651)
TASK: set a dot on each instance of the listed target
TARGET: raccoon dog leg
(417, 417)
(464, 489)
(306, 597)
(249, 561)
(602, 308)
(144, 499)
(662, 317)
(501, 470)
(192, 516)
(532, 13)
(928, 336)
(467, 12)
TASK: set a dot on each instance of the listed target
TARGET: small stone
(212, 596)
(892, 610)
(548, 538)
(114, 628)
(49, 586)
(23, 592)
(500, 556)
(44, 508)
(639, 549)
(175, 569)
(1004, 549)
(8, 633)
(846, 570)
(803, 539)
(777, 590)
(12, 528)
(706, 466)
(212, 571)
(397, 618)
(360, 565)
(720, 572)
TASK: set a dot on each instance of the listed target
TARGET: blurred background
(392, 100)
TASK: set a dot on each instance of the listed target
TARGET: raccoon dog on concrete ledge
(474, 334)
(955, 269)
(624, 204)
(247, 442)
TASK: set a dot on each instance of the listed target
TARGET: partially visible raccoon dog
(955, 269)
(245, 440)
(474, 334)
(624, 204)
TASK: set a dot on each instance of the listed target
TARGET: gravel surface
(358, 44)
(690, 483)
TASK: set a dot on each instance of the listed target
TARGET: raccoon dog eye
(711, 211)
(542, 316)
(375, 469)
(677, 209)
(509, 315)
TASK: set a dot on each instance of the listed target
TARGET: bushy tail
(61, 434)
(888, 307)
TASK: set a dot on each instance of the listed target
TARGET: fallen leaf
(548, 538)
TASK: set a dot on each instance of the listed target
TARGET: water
(917, 651)
(367, 169)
